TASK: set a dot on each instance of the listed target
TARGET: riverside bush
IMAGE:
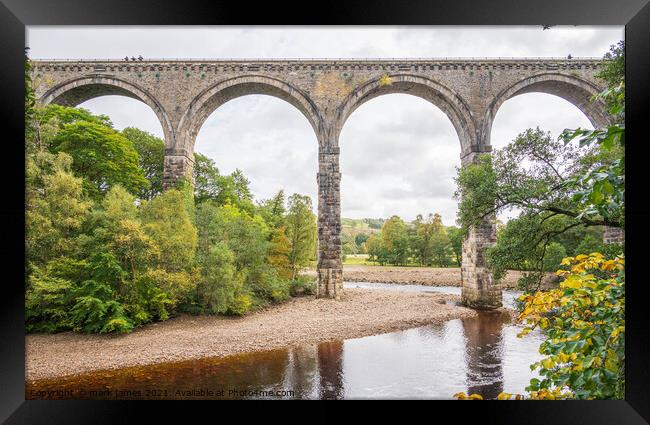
(302, 285)
(584, 321)
(584, 324)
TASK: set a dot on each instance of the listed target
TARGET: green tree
(441, 248)
(532, 174)
(590, 244)
(429, 240)
(279, 252)
(555, 253)
(55, 207)
(246, 236)
(151, 150)
(360, 239)
(301, 231)
(395, 240)
(348, 244)
(376, 250)
(119, 231)
(613, 70)
(207, 180)
(273, 210)
(573, 238)
(241, 187)
(210, 185)
(102, 156)
(456, 237)
(219, 283)
(166, 220)
(374, 223)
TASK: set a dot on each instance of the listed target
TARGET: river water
(476, 355)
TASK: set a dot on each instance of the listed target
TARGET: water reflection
(476, 355)
(483, 353)
(330, 370)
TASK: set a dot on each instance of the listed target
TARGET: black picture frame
(15, 15)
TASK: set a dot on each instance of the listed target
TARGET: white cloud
(398, 152)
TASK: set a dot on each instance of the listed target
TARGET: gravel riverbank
(430, 276)
(304, 320)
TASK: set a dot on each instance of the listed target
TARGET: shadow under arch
(78, 90)
(213, 97)
(432, 91)
(573, 89)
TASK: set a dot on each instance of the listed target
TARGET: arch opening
(445, 99)
(399, 155)
(77, 91)
(271, 143)
(573, 89)
(214, 97)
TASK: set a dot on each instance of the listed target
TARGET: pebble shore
(302, 320)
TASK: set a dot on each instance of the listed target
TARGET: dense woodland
(108, 250)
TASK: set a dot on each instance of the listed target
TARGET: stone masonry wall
(613, 235)
(330, 268)
(175, 168)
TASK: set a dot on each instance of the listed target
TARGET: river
(477, 355)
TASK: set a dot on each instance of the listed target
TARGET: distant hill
(354, 226)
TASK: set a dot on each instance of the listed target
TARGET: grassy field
(362, 260)
(358, 260)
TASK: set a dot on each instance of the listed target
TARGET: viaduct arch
(183, 93)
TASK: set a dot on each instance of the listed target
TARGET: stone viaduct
(183, 93)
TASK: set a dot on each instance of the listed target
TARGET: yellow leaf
(548, 363)
(572, 281)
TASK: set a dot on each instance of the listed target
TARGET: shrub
(584, 321)
(265, 284)
(160, 292)
(219, 281)
(95, 310)
(241, 304)
(302, 285)
(46, 302)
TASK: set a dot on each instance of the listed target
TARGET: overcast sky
(398, 152)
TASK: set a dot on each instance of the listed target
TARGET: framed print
(415, 201)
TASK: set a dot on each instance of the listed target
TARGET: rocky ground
(303, 320)
(430, 276)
